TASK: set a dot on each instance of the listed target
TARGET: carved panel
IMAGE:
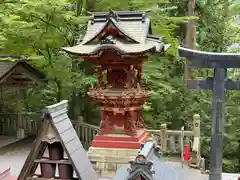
(106, 125)
(116, 78)
(130, 123)
(50, 135)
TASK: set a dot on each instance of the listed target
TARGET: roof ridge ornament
(107, 40)
(113, 15)
(140, 167)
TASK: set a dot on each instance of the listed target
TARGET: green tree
(38, 29)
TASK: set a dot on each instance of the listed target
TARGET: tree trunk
(90, 5)
(238, 155)
(59, 89)
(190, 39)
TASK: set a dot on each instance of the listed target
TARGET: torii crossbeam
(218, 84)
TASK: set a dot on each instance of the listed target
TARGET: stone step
(5, 174)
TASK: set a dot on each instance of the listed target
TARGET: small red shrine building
(117, 43)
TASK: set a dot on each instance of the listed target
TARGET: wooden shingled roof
(57, 127)
(19, 73)
(134, 34)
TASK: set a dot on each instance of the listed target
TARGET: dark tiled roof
(165, 171)
(7, 68)
(151, 166)
(134, 25)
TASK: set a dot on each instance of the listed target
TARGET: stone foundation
(121, 140)
(106, 161)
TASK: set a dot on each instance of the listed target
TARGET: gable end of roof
(115, 23)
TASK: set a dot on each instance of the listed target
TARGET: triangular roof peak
(58, 134)
(113, 15)
(111, 27)
(19, 72)
(121, 15)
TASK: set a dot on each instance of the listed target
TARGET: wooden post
(196, 134)
(196, 150)
(20, 130)
(163, 136)
(139, 74)
(100, 77)
(182, 145)
(216, 151)
(203, 168)
(80, 119)
(172, 144)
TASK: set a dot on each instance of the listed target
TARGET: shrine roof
(134, 34)
(135, 24)
(19, 69)
(119, 46)
(165, 170)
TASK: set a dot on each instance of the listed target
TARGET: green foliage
(38, 30)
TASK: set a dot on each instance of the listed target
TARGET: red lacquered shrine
(117, 43)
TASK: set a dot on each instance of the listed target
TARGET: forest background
(38, 29)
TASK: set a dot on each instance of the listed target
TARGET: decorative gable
(111, 29)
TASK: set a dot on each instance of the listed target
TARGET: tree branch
(53, 25)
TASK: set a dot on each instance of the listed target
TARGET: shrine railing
(9, 123)
(85, 131)
(168, 140)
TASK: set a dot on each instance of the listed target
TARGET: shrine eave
(124, 50)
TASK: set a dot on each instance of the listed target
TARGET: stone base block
(106, 161)
(121, 140)
(20, 134)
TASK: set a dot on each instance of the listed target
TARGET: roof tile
(136, 26)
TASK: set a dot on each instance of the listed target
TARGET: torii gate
(218, 84)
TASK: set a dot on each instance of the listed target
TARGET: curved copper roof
(136, 30)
